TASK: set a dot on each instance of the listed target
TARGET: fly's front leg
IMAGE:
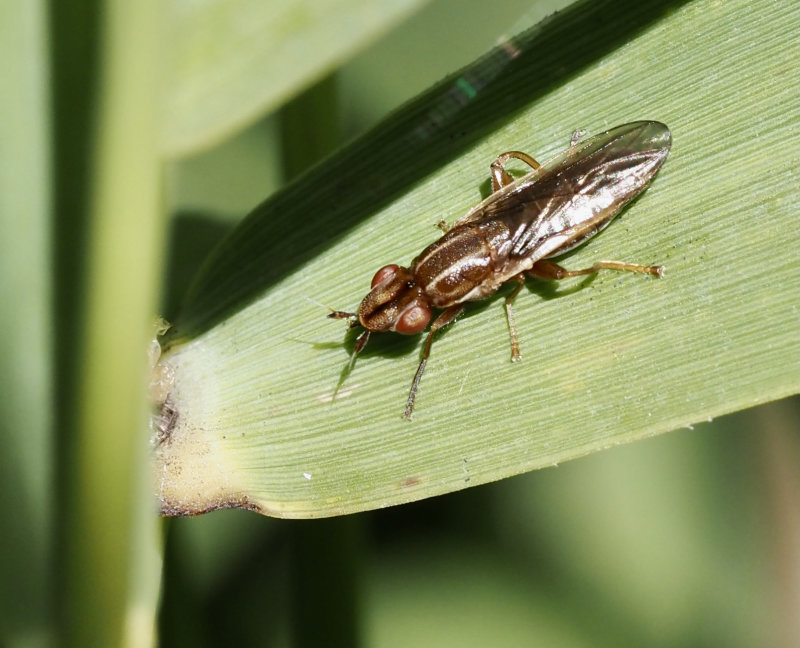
(443, 320)
(501, 177)
(512, 325)
(550, 270)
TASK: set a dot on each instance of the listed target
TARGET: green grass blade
(623, 357)
(231, 61)
(108, 206)
(26, 362)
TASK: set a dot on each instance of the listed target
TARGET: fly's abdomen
(453, 268)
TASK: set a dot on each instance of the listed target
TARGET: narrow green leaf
(253, 422)
(26, 362)
(230, 61)
(108, 185)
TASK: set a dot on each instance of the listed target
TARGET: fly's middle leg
(501, 177)
(550, 270)
(512, 325)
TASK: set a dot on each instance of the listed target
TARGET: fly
(511, 234)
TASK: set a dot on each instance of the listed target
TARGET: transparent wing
(577, 193)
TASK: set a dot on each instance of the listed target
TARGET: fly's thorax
(450, 269)
(395, 303)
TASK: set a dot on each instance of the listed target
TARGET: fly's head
(395, 303)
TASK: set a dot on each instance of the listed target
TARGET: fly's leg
(512, 326)
(501, 177)
(361, 342)
(444, 319)
(550, 270)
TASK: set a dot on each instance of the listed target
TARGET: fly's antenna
(353, 317)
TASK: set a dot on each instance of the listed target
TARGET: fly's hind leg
(501, 177)
(550, 270)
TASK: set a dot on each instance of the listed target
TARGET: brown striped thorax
(512, 234)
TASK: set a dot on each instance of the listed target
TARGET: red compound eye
(383, 274)
(413, 320)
